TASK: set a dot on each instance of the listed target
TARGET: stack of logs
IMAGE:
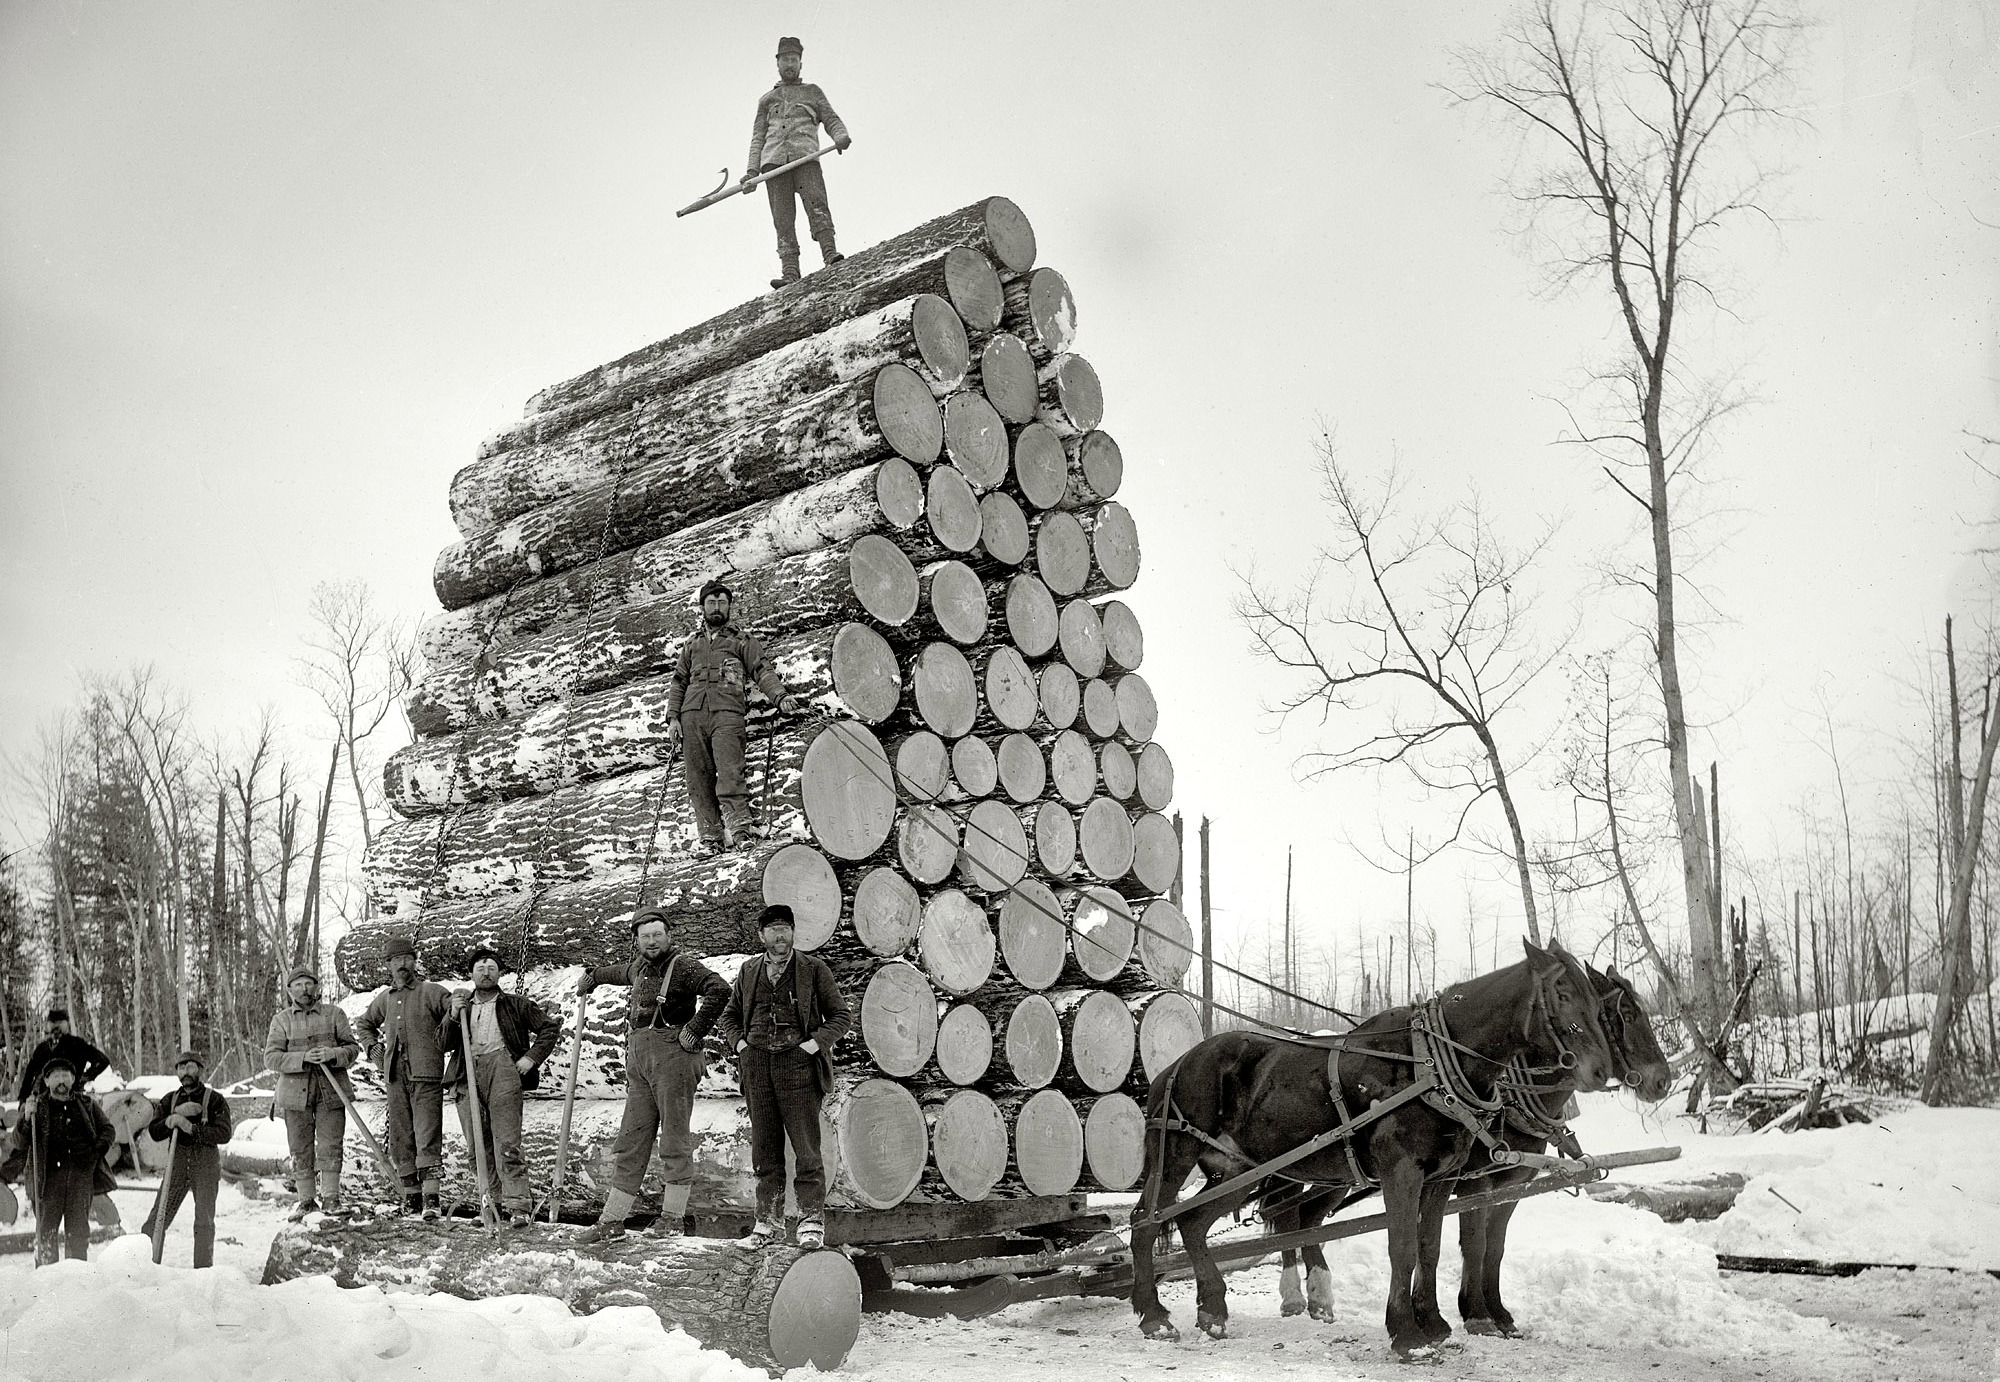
(898, 467)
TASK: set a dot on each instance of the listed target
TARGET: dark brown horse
(1482, 1233)
(1239, 1101)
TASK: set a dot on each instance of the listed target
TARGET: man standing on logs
(784, 1016)
(58, 1146)
(675, 1000)
(86, 1062)
(786, 127)
(400, 1031)
(706, 700)
(311, 1046)
(198, 1120)
(511, 1037)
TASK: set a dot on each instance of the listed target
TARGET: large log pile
(899, 467)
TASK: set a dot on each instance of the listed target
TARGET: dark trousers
(62, 1214)
(712, 760)
(500, 1126)
(809, 184)
(782, 1091)
(197, 1169)
(416, 1129)
(660, 1082)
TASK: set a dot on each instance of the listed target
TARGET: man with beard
(511, 1037)
(785, 128)
(705, 705)
(200, 1118)
(783, 1019)
(310, 1046)
(84, 1059)
(59, 1146)
(401, 1032)
(675, 1000)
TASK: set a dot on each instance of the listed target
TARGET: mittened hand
(792, 705)
(187, 1110)
(179, 1124)
(688, 1040)
(843, 143)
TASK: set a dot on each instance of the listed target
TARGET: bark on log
(1100, 708)
(1104, 840)
(1060, 694)
(1033, 622)
(1114, 1142)
(1099, 1038)
(884, 498)
(951, 603)
(1072, 766)
(1046, 1138)
(1052, 829)
(1156, 777)
(955, 942)
(776, 1309)
(1003, 530)
(954, 256)
(840, 429)
(1009, 693)
(1034, 934)
(1040, 466)
(1101, 934)
(881, 1139)
(968, 1143)
(993, 852)
(1096, 469)
(1006, 375)
(964, 1044)
(1023, 772)
(1117, 770)
(898, 1025)
(1081, 634)
(1114, 545)
(1165, 944)
(1169, 1026)
(1062, 552)
(868, 579)
(846, 669)
(975, 440)
(974, 769)
(951, 510)
(921, 332)
(886, 912)
(1069, 399)
(927, 843)
(1041, 311)
(1124, 640)
(944, 690)
(1156, 853)
(923, 766)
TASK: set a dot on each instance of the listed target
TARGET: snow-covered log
(1070, 401)
(1042, 312)
(1005, 373)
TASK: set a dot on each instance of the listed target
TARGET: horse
(1533, 1120)
(1421, 1077)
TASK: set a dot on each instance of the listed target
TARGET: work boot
(812, 1233)
(301, 1209)
(519, 1219)
(673, 1212)
(705, 848)
(759, 1237)
(745, 831)
(431, 1208)
(828, 255)
(601, 1232)
(788, 270)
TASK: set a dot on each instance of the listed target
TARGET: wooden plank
(909, 1221)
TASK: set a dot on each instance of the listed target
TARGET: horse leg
(1496, 1249)
(1291, 1297)
(1424, 1290)
(1472, 1306)
(1211, 1304)
(1319, 1281)
(1402, 1195)
(1154, 1322)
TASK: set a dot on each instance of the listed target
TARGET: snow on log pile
(899, 468)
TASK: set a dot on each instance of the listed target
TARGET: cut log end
(1033, 1044)
(1100, 708)
(994, 854)
(974, 766)
(1073, 767)
(1054, 834)
(952, 510)
(1033, 622)
(1138, 712)
(866, 676)
(898, 1023)
(1166, 943)
(1156, 852)
(923, 766)
(1096, 468)
(1169, 1027)
(884, 580)
(1104, 839)
(886, 912)
(927, 843)
(1072, 399)
(1003, 529)
(1023, 772)
(955, 942)
(940, 339)
(907, 414)
(969, 1143)
(1009, 236)
(975, 439)
(1041, 466)
(848, 792)
(1116, 767)
(1034, 938)
(965, 1049)
(1081, 633)
(883, 1141)
(954, 599)
(1156, 777)
(1062, 553)
(974, 288)
(1124, 640)
(899, 493)
(1007, 377)
(1051, 310)
(1099, 1040)
(1114, 546)
(1101, 932)
(947, 694)
(1048, 1144)
(1011, 692)
(1114, 1142)
(1061, 695)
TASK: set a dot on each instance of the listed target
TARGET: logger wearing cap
(706, 700)
(399, 1031)
(59, 1145)
(85, 1060)
(199, 1118)
(311, 1046)
(784, 1017)
(786, 127)
(675, 1000)
(511, 1037)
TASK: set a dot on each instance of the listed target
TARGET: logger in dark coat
(786, 127)
(706, 699)
(85, 1060)
(784, 1017)
(675, 1000)
(511, 1037)
(199, 1118)
(400, 1033)
(58, 1149)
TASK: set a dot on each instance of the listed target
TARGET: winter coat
(822, 1013)
(213, 1126)
(693, 1000)
(400, 1030)
(715, 670)
(88, 1060)
(61, 1133)
(787, 123)
(524, 1027)
(295, 1031)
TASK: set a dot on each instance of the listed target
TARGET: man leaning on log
(400, 1031)
(311, 1046)
(784, 1016)
(786, 127)
(511, 1037)
(706, 699)
(675, 1000)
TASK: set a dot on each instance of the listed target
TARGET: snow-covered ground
(1604, 1292)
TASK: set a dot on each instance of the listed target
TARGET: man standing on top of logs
(311, 1046)
(786, 127)
(86, 1062)
(784, 1017)
(198, 1119)
(675, 1000)
(58, 1146)
(511, 1037)
(706, 699)
(400, 1033)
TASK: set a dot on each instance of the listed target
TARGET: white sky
(268, 273)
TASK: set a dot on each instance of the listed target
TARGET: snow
(1603, 1292)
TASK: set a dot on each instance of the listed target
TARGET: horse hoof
(1294, 1307)
(1323, 1313)
(1482, 1327)
(1160, 1329)
(1214, 1328)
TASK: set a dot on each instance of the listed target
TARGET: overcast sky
(269, 272)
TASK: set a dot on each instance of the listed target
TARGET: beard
(716, 618)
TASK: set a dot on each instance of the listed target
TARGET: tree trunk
(1958, 920)
(775, 1309)
(968, 1143)
(1041, 311)
(1114, 1142)
(1034, 936)
(1096, 470)
(921, 333)
(1098, 1041)
(1047, 1141)
(1069, 399)
(884, 498)
(975, 440)
(840, 429)
(1041, 467)
(953, 255)
(1033, 622)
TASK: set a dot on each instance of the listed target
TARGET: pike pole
(724, 191)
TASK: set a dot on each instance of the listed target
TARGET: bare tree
(1645, 108)
(359, 664)
(1429, 638)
